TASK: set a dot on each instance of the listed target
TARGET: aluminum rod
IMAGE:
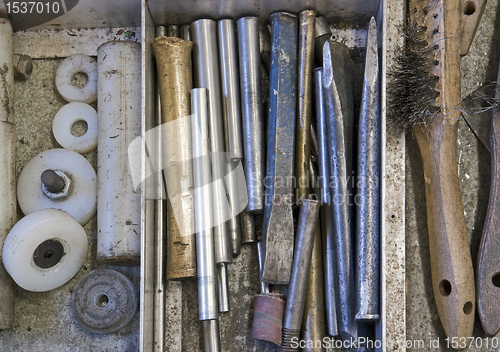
(206, 68)
(252, 111)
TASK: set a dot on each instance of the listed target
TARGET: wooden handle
(488, 266)
(451, 264)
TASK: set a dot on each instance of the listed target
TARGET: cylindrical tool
(304, 104)
(173, 61)
(322, 33)
(186, 32)
(207, 272)
(119, 100)
(247, 221)
(264, 287)
(278, 221)
(339, 107)
(368, 189)
(223, 287)
(173, 31)
(253, 114)
(8, 211)
(230, 88)
(297, 289)
(265, 46)
(324, 195)
(236, 202)
(206, 68)
(160, 208)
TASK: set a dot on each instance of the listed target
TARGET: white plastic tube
(7, 167)
(119, 123)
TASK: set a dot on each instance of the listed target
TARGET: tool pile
(309, 158)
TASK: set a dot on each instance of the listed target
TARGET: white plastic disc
(44, 250)
(67, 69)
(81, 200)
(64, 120)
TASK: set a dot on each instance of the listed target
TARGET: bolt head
(64, 193)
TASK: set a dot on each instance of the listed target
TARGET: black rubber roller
(104, 301)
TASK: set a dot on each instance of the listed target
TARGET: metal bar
(278, 221)
(173, 31)
(252, 111)
(186, 32)
(247, 221)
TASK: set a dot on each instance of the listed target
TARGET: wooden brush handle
(488, 266)
(451, 264)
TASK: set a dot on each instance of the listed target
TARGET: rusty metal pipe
(173, 59)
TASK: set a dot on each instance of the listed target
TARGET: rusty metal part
(206, 68)
(228, 58)
(488, 262)
(339, 107)
(173, 59)
(304, 105)
(278, 220)
(210, 335)
(368, 188)
(297, 289)
(247, 221)
(23, 67)
(173, 31)
(252, 111)
(313, 321)
(268, 318)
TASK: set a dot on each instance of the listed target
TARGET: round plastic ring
(67, 69)
(44, 250)
(79, 197)
(68, 115)
(104, 301)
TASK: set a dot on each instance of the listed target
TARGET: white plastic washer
(81, 202)
(64, 120)
(36, 266)
(65, 72)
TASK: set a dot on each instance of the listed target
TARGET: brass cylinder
(173, 60)
(313, 321)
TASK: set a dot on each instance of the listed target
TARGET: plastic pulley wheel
(67, 69)
(104, 301)
(68, 115)
(79, 199)
(44, 250)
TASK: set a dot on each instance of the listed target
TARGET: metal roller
(8, 205)
(173, 31)
(278, 220)
(173, 59)
(247, 221)
(297, 289)
(339, 108)
(252, 111)
(119, 123)
(207, 271)
(186, 32)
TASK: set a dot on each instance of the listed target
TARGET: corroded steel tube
(173, 61)
(297, 289)
(252, 111)
(304, 107)
(278, 221)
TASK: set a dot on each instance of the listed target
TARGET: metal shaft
(247, 221)
(206, 68)
(264, 287)
(173, 31)
(236, 202)
(278, 221)
(304, 108)
(324, 189)
(173, 61)
(52, 181)
(223, 288)
(338, 92)
(265, 46)
(210, 335)
(230, 88)
(205, 251)
(368, 189)
(297, 289)
(322, 33)
(186, 32)
(252, 111)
